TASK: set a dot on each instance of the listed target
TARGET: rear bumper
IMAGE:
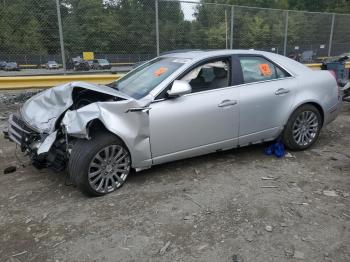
(333, 112)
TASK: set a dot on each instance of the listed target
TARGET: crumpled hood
(42, 110)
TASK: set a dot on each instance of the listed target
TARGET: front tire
(303, 128)
(99, 166)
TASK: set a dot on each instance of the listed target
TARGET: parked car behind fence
(101, 64)
(11, 66)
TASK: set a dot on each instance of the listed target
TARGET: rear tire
(99, 166)
(303, 128)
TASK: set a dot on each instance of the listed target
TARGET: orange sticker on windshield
(265, 69)
(160, 71)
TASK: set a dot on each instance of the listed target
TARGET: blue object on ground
(276, 148)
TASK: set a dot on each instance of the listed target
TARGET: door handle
(227, 103)
(281, 91)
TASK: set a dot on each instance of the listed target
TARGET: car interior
(209, 76)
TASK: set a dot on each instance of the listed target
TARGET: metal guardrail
(32, 82)
(34, 66)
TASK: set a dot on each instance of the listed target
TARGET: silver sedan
(175, 106)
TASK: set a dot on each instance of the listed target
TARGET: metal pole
(331, 36)
(226, 31)
(231, 29)
(285, 34)
(157, 27)
(61, 35)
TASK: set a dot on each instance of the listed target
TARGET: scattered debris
(18, 254)
(330, 193)
(10, 169)
(346, 215)
(298, 255)
(249, 237)
(164, 248)
(236, 258)
(289, 155)
(316, 151)
(289, 252)
(59, 243)
(196, 171)
(202, 247)
(267, 178)
(307, 239)
(45, 215)
(191, 199)
(269, 186)
(12, 197)
(344, 194)
(268, 228)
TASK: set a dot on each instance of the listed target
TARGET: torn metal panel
(45, 146)
(43, 109)
(131, 126)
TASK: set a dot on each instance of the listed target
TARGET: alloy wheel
(305, 128)
(109, 169)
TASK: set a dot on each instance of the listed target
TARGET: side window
(211, 75)
(255, 69)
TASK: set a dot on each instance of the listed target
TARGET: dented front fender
(132, 127)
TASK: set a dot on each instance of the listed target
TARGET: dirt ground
(238, 205)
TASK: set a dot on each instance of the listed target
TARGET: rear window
(256, 69)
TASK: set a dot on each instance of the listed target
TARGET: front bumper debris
(44, 150)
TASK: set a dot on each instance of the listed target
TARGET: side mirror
(179, 88)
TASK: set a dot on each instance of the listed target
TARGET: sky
(188, 9)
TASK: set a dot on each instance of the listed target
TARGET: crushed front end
(45, 150)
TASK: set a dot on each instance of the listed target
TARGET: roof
(285, 62)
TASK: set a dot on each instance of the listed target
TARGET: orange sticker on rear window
(265, 69)
(160, 71)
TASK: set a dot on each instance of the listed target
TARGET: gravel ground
(238, 205)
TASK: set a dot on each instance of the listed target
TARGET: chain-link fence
(129, 31)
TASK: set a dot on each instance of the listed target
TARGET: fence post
(331, 36)
(61, 35)
(285, 34)
(157, 27)
(231, 29)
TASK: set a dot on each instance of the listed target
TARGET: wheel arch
(311, 102)
(96, 125)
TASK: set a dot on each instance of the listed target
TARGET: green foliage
(128, 26)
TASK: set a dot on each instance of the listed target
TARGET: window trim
(282, 68)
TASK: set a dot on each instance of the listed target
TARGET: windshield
(145, 78)
(52, 62)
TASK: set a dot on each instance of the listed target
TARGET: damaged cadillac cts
(175, 106)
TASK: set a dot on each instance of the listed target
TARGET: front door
(201, 122)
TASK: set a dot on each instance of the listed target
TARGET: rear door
(266, 97)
